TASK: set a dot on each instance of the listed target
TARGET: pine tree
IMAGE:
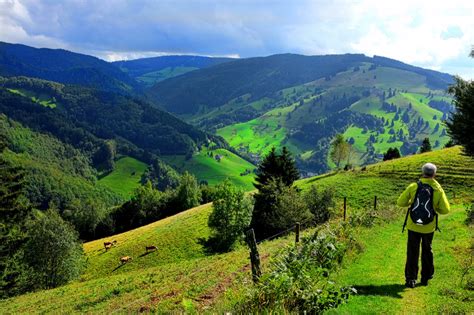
(459, 125)
(392, 153)
(276, 165)
(289, 172)
(13, 213)
(425, 146)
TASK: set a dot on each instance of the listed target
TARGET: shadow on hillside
(145, 253)
(119, 266)
(213, 245)
(392, 290)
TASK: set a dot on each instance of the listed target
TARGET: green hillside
(180, 276)
(125, 177)
(377, 111)
(215, 165)
(302, 102)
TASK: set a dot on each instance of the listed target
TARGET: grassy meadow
(126, 176)
(182, 277)
(42, 99)
(206, 166)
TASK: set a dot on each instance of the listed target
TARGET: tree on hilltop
(425, 146)
(339, 150)
(392, 153)
(276, 165)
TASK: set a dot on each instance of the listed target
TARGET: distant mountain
(304, 101)
(149, 71)
(63, 66)
(255, 78)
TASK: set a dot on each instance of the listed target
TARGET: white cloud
(426, 33)
(13, 16)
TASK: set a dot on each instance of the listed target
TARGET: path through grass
(378, 272)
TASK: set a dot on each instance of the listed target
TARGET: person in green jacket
(422, 233)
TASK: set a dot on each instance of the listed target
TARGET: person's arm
(443, 203)
(407, 196)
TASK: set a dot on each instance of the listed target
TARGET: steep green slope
(83, 113)
(371, 105)
(215, 165)
(125, 177)
(180, 277)
(57, 175)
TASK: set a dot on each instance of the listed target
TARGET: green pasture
(126, 176)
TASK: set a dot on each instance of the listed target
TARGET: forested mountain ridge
(63, 66)
(80, 114)
(149, 71)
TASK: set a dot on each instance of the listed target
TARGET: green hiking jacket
(440, 204)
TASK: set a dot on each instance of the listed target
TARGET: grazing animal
(125, 259)
(108, 245)
(151, 248)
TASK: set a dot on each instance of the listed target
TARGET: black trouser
(413, 252)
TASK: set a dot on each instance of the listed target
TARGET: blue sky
(432, 34)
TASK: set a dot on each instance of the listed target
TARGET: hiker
(425, 199)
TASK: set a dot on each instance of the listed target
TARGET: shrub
(53, 253)
(277, 207)
(188, 193)
(298, 281)
(362, 217)
(231, 215)
(320, 203)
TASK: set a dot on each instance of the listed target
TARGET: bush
(320, 203)
(298, 281)
(147, 205)
(207, 193)
(231, 215)
(362, 217)
(53, 254)
(188, 194)
(277, 207)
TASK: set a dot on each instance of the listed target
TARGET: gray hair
(429, 170)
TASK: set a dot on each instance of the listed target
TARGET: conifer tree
(460, 125)
(276, 165)
(425, 146)
(13, 214)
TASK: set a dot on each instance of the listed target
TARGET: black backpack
(421, 210)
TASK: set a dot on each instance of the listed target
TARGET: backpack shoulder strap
(408, 210)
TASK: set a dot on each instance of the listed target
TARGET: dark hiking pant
(413, 252)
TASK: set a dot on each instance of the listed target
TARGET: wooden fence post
(375, 203)
(254, 256)
(297, 233)
(345, 207)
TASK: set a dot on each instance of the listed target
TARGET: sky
(431, 34)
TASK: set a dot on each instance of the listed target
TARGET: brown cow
(125, 259)
(108, 245)
(151, 248)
